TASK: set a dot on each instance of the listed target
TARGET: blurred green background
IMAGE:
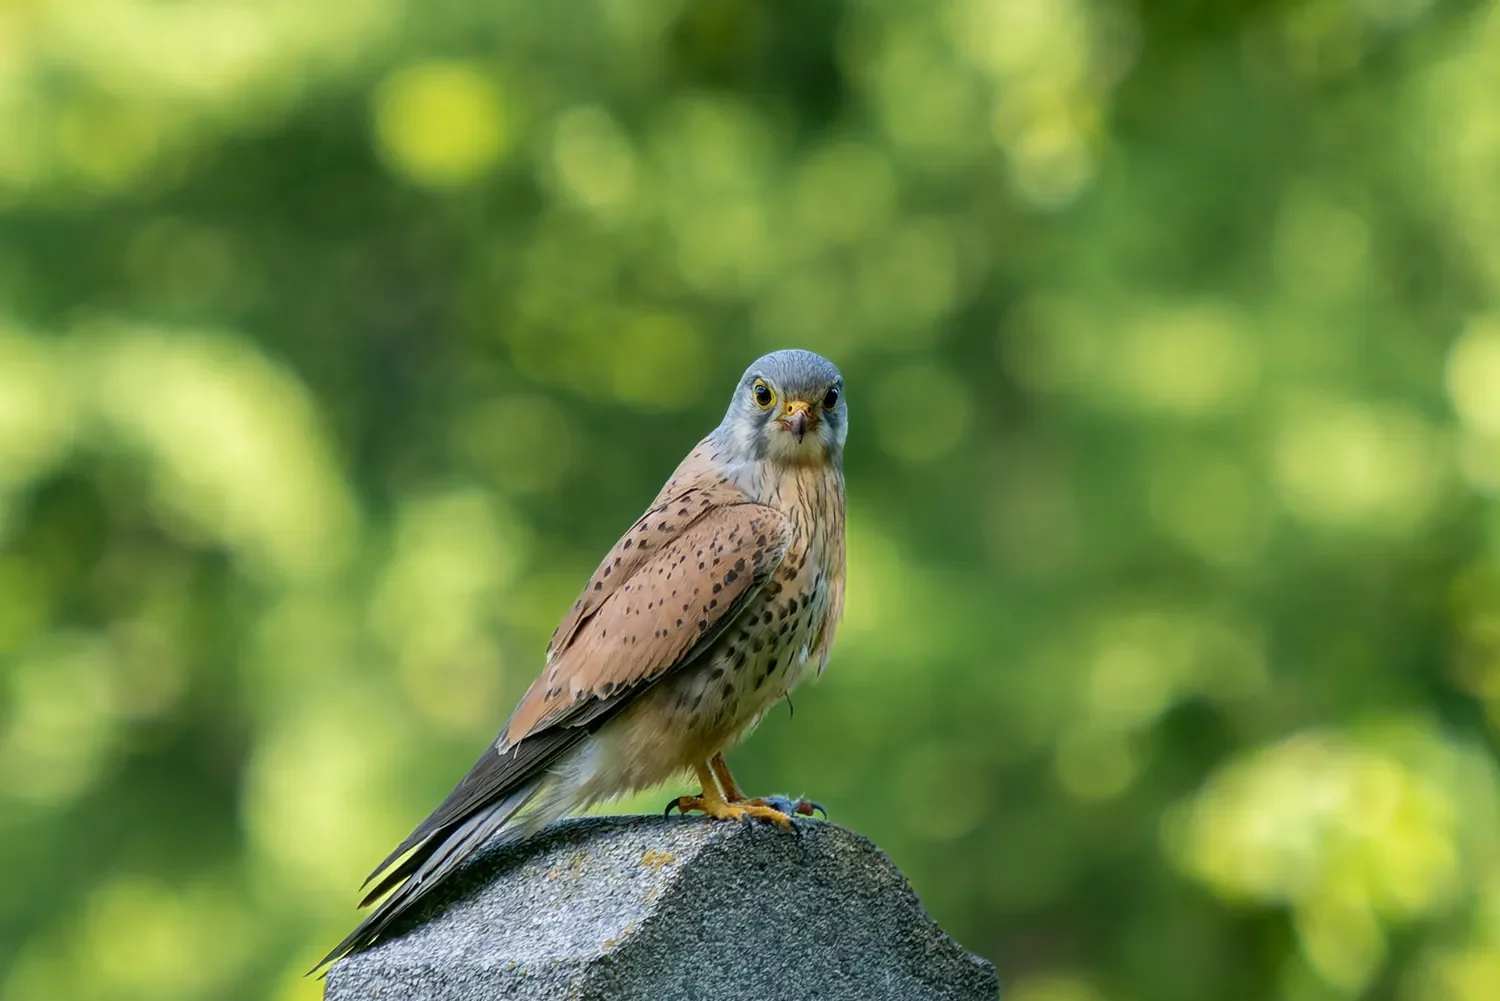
(338, 340)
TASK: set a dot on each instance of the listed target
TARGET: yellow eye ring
(763, 395)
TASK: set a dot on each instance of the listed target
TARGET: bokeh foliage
(338, 339)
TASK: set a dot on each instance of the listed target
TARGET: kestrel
(701, 618)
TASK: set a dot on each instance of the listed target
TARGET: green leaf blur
(339, 339)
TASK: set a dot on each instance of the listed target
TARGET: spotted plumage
(705, 614)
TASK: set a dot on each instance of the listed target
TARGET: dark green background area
(338, 341)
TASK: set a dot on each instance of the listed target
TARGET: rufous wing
(691, 493)
(671, 585)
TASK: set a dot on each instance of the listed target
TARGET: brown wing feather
(693, 490)
(659, 618)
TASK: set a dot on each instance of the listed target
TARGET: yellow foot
(715, 807)
(736, 796)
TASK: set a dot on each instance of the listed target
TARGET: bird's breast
(764, 654)
(755, 663)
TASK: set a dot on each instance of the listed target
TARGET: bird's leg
(734, 794)
(712, 804)
(732, 791)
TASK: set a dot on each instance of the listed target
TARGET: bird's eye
(763, 395)
(831, 398)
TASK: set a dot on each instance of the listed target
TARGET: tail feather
(428, 865)
(494, 777)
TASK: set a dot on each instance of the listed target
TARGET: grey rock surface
(627, 908)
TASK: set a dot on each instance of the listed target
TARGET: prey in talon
(713, 605)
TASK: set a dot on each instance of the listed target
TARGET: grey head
(788, 408)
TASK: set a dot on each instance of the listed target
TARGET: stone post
(686, 909)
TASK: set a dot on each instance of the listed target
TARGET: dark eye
(831, 398)
(763, 395)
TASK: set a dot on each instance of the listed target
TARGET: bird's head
(789, 408)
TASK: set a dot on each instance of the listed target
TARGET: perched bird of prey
(700, 619)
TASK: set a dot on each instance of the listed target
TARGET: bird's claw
(778, 810)
(785, 804)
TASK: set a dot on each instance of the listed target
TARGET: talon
(807, 808)
(682, 804)
(779, 810)
(743, 812)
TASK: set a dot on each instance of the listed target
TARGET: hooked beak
(796, 419)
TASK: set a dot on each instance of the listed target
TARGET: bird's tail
(429, 864)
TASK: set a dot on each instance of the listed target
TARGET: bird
(706, 613)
